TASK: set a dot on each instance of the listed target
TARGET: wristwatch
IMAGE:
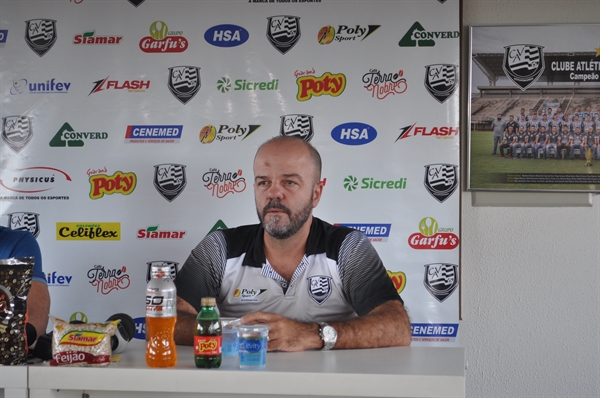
(328, 335)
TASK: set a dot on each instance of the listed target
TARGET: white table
(383, 372)
(13, 381)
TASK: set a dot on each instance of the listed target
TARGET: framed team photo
(534, 108)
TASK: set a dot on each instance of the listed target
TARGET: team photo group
(549, 134)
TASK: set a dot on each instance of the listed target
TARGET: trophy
(588, 156)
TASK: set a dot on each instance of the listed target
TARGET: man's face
(499, 117)
(285, 188)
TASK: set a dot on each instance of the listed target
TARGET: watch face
(329, 333)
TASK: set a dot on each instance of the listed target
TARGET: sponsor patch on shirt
(248, 295)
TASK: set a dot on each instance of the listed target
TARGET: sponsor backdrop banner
(129, 130)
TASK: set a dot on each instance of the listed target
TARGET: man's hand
(386, 325)
(285, 334)
(38, 306)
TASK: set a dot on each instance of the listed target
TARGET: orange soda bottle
(161, 316)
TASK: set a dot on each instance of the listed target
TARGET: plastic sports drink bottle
(161, 315)
(207, 336)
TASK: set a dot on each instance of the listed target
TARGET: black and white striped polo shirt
(340, 276)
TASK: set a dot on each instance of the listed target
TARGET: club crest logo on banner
(441, 180)
(136, 3)
(169, 180)
(295, 125)
(171, 264)
(40, 35)
(319, 288)
(184, 82)
(441, 280)
(23, 221)
(17, 131)
(523, 64)
(441, 80)
(283, 32)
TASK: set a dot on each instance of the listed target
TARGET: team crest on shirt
(441, 81)
(523, 64)
(248, 295)
(441, 180)
(441, 280)
(319, 288)
(25, 222)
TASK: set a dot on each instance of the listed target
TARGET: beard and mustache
(276, 227)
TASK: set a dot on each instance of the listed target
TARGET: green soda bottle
(207, 336)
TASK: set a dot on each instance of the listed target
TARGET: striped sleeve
(365, 280)
(202, 273)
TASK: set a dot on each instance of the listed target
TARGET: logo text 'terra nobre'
(351, 183)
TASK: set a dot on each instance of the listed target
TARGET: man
(589, 141)
(509, 141)
(499, 126)
(576, 123)
(588, 124)
(559, 113)
(298, 269)
(16, 244)
(555, 122)
(519, 146)
(577, 143)
(545, 123)
(552, 147)
(597, 142)
(541, 139)
(529, 138)
(513, 123)
(565, 138)
(596, 116)
(522, 116)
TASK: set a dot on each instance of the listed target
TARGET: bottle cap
(208, 301)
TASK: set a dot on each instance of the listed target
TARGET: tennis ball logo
(236, 293)
(159, 30)
(350, 183)
(208, 134)
(326, 34)
(428, 226)
(224, 84)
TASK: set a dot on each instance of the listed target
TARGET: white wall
(530, 276)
